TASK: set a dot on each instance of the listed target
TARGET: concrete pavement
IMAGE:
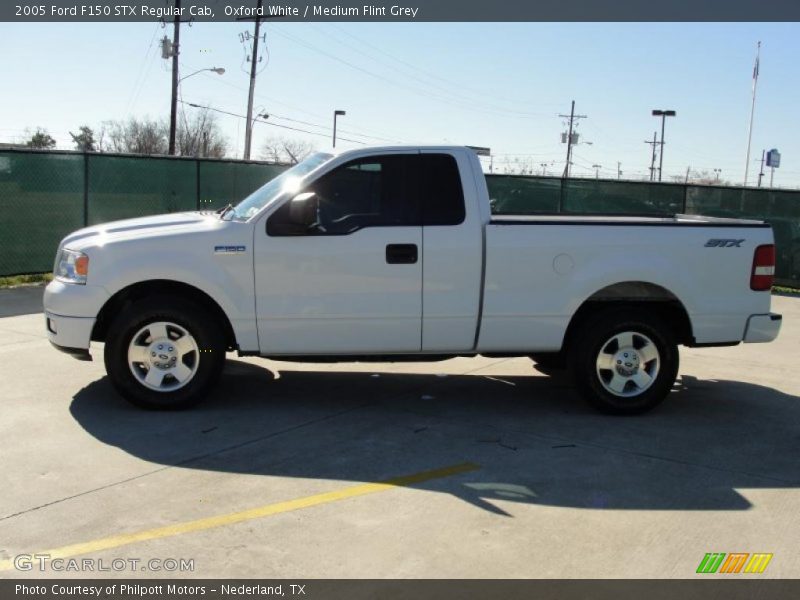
(550, 488)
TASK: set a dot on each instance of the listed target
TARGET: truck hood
(143, 227)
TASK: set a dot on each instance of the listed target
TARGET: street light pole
(597, 171)
(217, 70)
(663, 114)
(336, 113)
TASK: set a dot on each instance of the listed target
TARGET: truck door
(351, 280)
(453, 237)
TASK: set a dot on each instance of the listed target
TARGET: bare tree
(706, 177)
(145, 136)
(285, 150)
(201, 135)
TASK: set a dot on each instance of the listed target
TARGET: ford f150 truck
(392, 253)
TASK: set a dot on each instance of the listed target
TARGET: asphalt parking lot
(490, 468)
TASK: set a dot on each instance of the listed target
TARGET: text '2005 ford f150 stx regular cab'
(393, 254)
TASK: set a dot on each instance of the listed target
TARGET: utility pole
(248, 131)
(761, 171)
(173, 110)
(619, 170)
(597, 171)
(572, 116)
(688, 169)
(653, 160)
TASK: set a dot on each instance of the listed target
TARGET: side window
(441, 191)
(367, 192)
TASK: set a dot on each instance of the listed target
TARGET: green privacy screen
(780, 208)
(46, 195)
(41, 201)
(229, 182)
(125, 187)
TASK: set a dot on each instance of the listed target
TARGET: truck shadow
(534, 440)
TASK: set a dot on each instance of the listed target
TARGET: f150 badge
(724, 243)
(229, 249)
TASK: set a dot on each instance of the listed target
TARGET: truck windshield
(283, 182)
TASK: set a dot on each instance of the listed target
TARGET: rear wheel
(161, 354)
(625, 362)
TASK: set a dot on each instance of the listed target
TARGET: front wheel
(160, 355)
(625, 362)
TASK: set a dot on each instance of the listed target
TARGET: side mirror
(303, 209)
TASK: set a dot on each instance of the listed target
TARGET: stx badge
(724, 243)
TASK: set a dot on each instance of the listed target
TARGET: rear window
(441, 191)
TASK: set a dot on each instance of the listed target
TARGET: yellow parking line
(115, 541)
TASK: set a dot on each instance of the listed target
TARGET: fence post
(685, 195)
(85, 188)
(197, 182)
(561, 195)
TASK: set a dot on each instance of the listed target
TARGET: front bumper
(70, 334)
(762, 328)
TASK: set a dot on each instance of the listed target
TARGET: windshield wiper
(224, 210)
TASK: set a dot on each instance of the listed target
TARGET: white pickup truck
(393, 254)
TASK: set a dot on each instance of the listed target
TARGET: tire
(625, 361)
(164, 354)
(555, 361)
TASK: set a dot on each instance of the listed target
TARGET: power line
(269, 99)
(265, 122)
(456, 90)
(456, 102)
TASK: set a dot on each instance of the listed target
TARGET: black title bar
(735, 587)
(402, 10)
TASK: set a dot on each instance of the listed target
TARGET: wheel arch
(142, 289)
(635, 294)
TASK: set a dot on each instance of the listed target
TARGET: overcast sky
(496, 85)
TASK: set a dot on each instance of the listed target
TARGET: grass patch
(30, 279)
(781, 289)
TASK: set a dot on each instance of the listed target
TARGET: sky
(497, 85)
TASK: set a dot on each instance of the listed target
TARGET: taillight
(763, 272)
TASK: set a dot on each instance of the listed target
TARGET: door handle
(401, 254)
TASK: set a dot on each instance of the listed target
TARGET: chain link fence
(44, 195)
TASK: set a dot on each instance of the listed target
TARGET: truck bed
(673, 220)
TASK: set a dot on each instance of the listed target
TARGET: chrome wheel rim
(628, 364)
(163, 356)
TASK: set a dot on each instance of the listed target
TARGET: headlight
(71, 266)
